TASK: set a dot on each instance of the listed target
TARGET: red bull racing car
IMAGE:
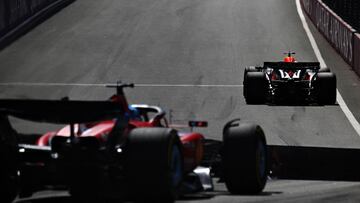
(289, 81)
(113, 150)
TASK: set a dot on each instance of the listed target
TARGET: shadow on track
(201, 196)
(46, 200)
(210, 195)
(314, 163)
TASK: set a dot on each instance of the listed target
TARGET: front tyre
(244, 159)
(154, 164)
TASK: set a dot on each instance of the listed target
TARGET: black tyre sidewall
(326, 88)
(255, 88)
(9, 184)
(324, 70)
(9, 180)
(247, 69)
(147, 163)
(240, 160)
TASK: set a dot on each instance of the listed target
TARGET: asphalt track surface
(203, 45)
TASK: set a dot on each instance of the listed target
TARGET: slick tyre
(244, 159)
(247, 69)
(9, 180)
(9, 189)
(154, 164)
(324, 70)
(326, 88)
(255, 88)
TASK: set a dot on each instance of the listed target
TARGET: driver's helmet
(289, 59)
(134, 113)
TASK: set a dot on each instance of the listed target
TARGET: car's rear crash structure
(284, 82)
(131, 163)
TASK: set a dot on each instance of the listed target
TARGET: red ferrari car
(140, 116)
(111, 149)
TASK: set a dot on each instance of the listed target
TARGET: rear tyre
(250, 69)
(9, 180)
(324, 70)
(326, 88)
(244, 159)
(247, 69)
(154, 164)
(9, 184)
(255, 88)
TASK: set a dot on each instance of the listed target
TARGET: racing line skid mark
(316, 49)
(104, 84)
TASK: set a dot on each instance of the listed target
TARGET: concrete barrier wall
(2, 17)
(357, 53)
(37, 5)
(309, 7)
(340, 34)
(18, 11)
(348, 10)
(337, 31)
(14, 12)
(18, 16)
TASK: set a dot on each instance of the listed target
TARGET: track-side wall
(357, 53)
(15, 14)
(348, 10)
(340, 34)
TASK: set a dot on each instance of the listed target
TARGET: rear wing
(296, 65)
(61, 111)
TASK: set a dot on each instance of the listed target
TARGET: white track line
(184, 85)
(104, 84)
(316, 49)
